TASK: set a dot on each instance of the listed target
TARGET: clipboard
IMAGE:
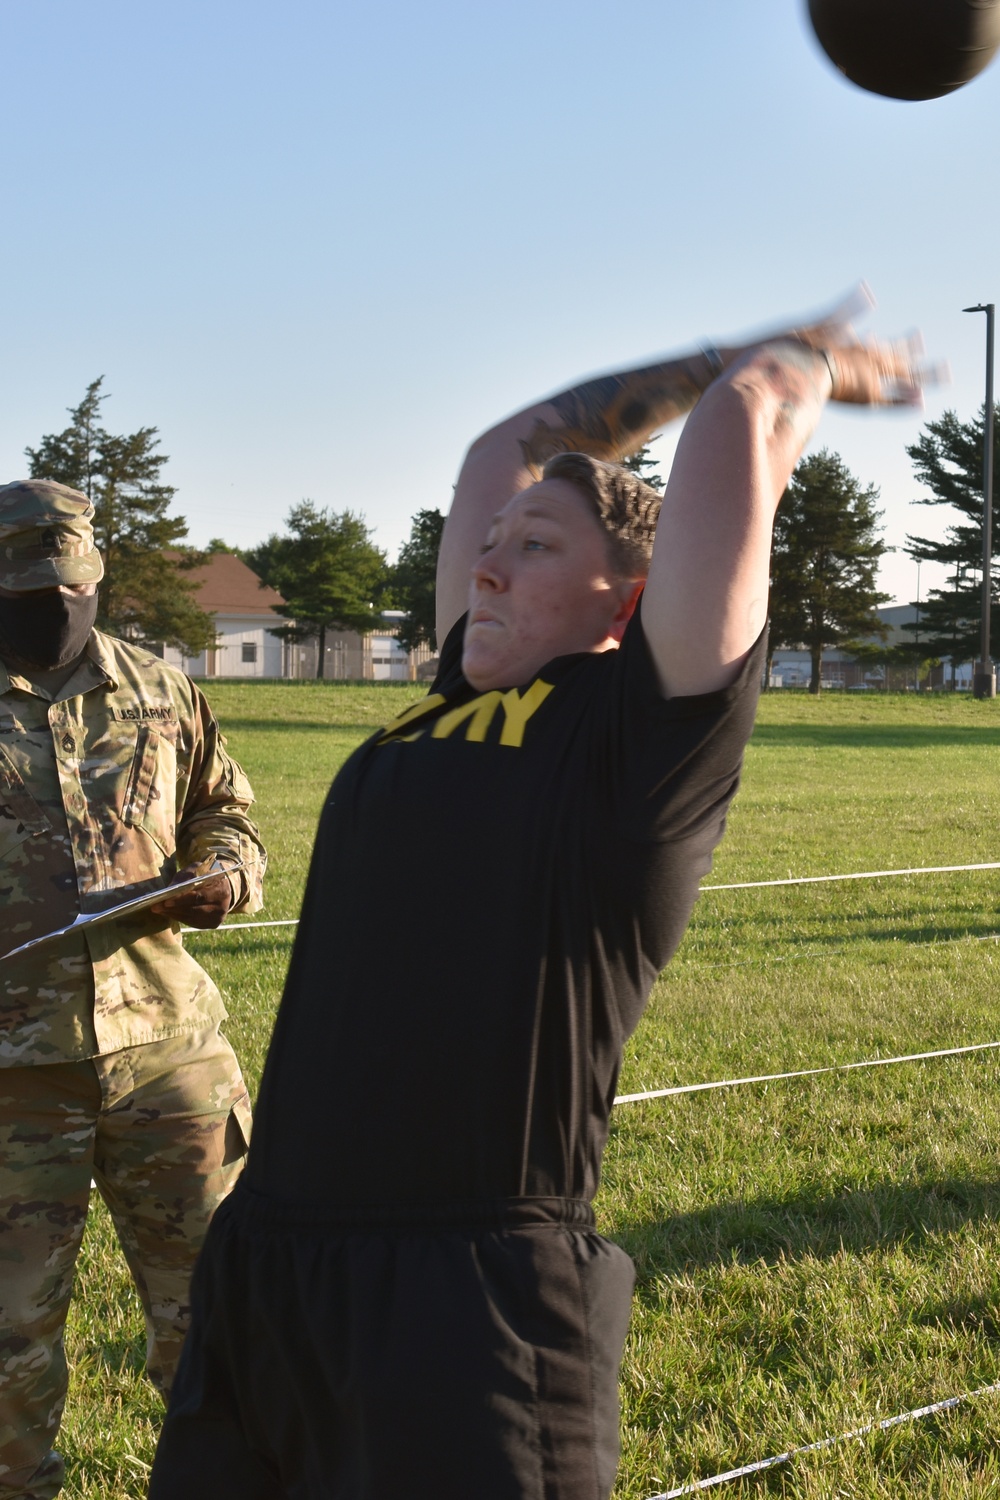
(124, 908)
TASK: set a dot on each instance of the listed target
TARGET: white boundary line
(731, 1083)
(239, 926)
(753, 885)
(828, 1442)
(742, 885)
(837, 952)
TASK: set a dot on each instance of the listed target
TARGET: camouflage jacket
(106, 789)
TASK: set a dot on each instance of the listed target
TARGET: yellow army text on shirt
(104, 793)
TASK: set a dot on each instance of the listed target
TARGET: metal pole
(916, 664)
(984, 653)
(984, 680)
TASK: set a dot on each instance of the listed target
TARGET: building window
(249, 650)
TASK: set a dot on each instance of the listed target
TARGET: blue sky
(321, 246)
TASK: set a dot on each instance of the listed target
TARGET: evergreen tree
(144, 595)
(329, 571)
(948, 459)
(824, 560)
(643, 464)
(413, 578)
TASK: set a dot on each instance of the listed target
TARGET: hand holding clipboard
(173, 901)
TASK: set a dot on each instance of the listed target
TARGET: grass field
(812, 1254)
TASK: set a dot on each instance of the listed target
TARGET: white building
(791, 666)
(245, 615)
(390, 662)
(349, 656)
(244, 610)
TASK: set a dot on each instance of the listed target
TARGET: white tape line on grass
(732, 1083)
(755, 885)
(238, 926)
(742, 885)
(798, 958)
(828, 1442)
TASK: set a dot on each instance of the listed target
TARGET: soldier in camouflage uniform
(114, 780)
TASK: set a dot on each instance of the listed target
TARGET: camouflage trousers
(162, 1130)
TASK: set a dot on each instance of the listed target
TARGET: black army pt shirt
(497, 880)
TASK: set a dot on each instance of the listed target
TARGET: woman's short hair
(626, 507)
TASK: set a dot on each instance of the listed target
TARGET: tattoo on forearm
(796, 375)
(615, 414)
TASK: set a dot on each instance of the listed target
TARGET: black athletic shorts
(451, 1353)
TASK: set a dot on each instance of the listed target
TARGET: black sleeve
(448, 679)
(671, 765)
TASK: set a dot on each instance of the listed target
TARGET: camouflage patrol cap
(46, 536)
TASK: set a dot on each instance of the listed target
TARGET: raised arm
(608, 417)
(705, 600)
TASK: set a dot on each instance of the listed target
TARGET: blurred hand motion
(870, 372)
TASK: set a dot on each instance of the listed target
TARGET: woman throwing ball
(406, 1294)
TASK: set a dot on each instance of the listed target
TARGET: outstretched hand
(869, 372)
(204, 907)
(879, 374)
(863, 372)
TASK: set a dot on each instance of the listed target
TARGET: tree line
(828, 540)
(326, 565)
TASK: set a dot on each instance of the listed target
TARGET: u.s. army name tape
(828, 1442)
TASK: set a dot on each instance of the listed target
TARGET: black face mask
(45, 629)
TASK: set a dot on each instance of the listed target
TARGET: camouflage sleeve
(213, 821)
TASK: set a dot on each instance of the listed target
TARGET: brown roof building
(242, 607)
(227, 586)
(245, 616)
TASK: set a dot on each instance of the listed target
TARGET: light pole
(916, 665)
(984, 678)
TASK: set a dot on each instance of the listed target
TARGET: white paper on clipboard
(125, 908)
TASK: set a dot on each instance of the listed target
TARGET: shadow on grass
(820, 945)
(210, 944)
(809, 1224)
(115, 1355)
(872, 736)
(299, 726)
(843, 736)
(927, 932)
(977, 1315)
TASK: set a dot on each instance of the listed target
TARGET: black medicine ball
(908, 49)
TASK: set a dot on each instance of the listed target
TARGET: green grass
(812, 1255)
